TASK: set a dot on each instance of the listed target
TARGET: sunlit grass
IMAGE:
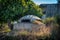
(5, 28)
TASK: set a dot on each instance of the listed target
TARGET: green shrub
(49, 20)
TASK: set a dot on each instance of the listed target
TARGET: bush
(49, 20)
(53, 23)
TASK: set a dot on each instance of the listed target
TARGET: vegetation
(11, 10)
(14, 9)
(49, 20)
(54, 24)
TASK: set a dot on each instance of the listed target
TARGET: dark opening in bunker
(25, 20)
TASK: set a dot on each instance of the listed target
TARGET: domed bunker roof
(29, 18)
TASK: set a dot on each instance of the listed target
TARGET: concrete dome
(29, 17)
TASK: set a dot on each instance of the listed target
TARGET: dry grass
(37, 31)
(5, 28)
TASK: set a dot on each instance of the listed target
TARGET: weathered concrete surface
(28, 26)
(36, 28)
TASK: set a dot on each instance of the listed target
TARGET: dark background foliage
(14, 9)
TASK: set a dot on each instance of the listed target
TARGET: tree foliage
(58, 19)
(14, 9)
